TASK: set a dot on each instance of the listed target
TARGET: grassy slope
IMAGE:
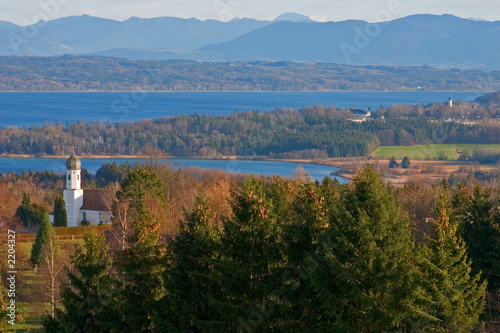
(30, 286)
(431, 152)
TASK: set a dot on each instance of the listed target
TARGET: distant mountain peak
(293, 17)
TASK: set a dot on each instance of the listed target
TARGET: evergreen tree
(479, 228)
(139, 267)
(363, 280)
(393, 163)
(31, 214)
(249, 256)
(86, 296)
(186, 306)
(308, 220)
(44, 237)
(405, 163)
(449, 297)
(143, 190)
(60, 214)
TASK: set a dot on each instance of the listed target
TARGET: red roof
(96, 200)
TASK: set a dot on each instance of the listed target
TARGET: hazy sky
(25, 12)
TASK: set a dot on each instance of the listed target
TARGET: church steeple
(73, 194)
(73, 164)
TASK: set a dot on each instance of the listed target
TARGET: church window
(69, 177)
(85, 216)
(78, 177)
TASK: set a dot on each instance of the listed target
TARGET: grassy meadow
(432, 152)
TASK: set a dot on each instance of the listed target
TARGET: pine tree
(86, 296)
(363, 270)
(44, 237)
(449, 297)
(60, 214)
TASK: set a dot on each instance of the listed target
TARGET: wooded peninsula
(309, 133)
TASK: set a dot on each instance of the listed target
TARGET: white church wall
(94, 216)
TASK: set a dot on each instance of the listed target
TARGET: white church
(82, 206)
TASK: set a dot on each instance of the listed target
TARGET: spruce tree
(479, 228)
(363, 271)
(86, 296)
(139, 267)
(449, 297)
(185, 307)
(31, 214)
(60, 214)
(308, 219)
(44, 237)
(245, 268)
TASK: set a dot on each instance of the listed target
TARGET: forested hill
(311, 132)
(75, 73)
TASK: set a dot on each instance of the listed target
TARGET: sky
(25, 12)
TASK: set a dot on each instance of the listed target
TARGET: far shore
(428, 171)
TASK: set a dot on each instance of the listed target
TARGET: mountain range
(443, 41)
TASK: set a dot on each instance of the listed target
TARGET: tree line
(311, 132)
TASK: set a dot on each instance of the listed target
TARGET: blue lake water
(19, 109)
(285, 169)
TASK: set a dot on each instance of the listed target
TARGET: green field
(432, 152)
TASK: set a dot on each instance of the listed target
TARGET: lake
(21, 108)
(285, 169)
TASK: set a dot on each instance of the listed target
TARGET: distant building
(360, 115)
(89, 206)
(450, 102)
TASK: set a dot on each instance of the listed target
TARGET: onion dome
(73, 162)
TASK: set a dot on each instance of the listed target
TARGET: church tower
(73, 194)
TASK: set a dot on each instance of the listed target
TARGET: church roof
(73, 162)
(95, 200)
